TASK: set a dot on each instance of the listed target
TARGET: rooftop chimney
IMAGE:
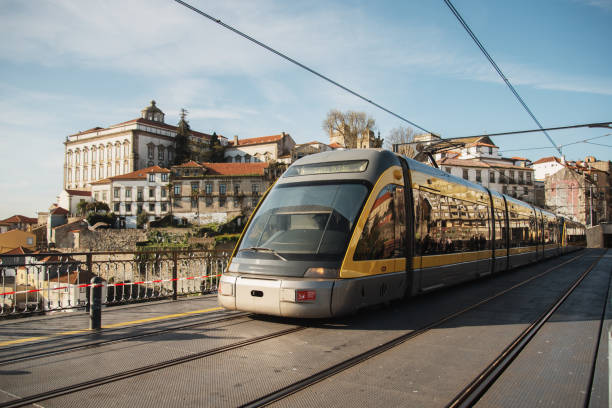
(235, 140)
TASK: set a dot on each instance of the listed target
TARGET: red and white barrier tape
(87, 285)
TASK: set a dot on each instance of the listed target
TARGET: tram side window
(447, 224)
(384, 233)
(519, 230)
(500, 229)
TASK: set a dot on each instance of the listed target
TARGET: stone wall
(111, 240)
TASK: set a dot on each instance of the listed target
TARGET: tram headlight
(322, 273)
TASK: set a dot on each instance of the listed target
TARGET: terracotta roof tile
(21, 218)
(258, 140)
(547, 159)
(189, 164)
(18, 251)
(139, 174)
(59, 211)
(79, 193)
(235, 169)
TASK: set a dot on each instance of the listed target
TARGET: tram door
(408, 227)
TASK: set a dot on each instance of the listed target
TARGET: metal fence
(40, 282)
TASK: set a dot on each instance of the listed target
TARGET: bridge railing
(53, 281)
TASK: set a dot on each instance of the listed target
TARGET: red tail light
(305, 295)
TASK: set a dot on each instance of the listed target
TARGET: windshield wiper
(262, 249)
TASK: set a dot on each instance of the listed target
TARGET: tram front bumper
(279, 297)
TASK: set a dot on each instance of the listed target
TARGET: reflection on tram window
(447, 224)
(384, 233)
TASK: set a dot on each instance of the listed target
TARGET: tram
(344, 230)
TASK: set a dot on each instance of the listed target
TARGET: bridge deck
(556, 368)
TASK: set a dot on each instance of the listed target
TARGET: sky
(68, 66)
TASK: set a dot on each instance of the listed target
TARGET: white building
(101, 153)
(129, 194)
(547, 166)
(70, 199)
(259, 149)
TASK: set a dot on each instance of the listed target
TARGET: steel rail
(71, 389)
(479, 386)
(362, 357)
(117, 340)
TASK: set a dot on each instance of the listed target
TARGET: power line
(563, 145)
(299, 64)
(605, 125)
(501, 74)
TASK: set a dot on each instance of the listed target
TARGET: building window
(448, 170)
(163, 193)
(478, 176)
(254, 201)
(195, 186)
(117, 151)
(128, 192)
(255, 188)
(30, 240)
(116, 191)
(128, 208)
(151, 207)
(465, 174)
(164, 207)
(492, 177)
(93, 173)
(95, 196)
(511, 176)
(139, 209)
(208, 188)
(525, 191)
(151, 177)
(150, 151)
(151, 193)
(490, 150)
(139, 195)
(177, 190)
(221, 201)
(77, 177)
(247, 159)
(236, 189)
(236, 202)
(528, 178)
(164, 177)
(222, 188)
(160, 154)
(194, 203)
(209, 201)
(104, 196)
(116, 207)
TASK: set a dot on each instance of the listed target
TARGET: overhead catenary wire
(299, 64)
(563, 145)
(499, 71)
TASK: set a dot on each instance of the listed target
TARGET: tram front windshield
(304, 222)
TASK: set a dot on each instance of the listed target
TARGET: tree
(215, 150)
(351, 126)
(400, 136)
(181, 140)
(96, 207)
(82, 207)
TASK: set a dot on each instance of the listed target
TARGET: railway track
(470, 394)
(74, 388)
(117, 340)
